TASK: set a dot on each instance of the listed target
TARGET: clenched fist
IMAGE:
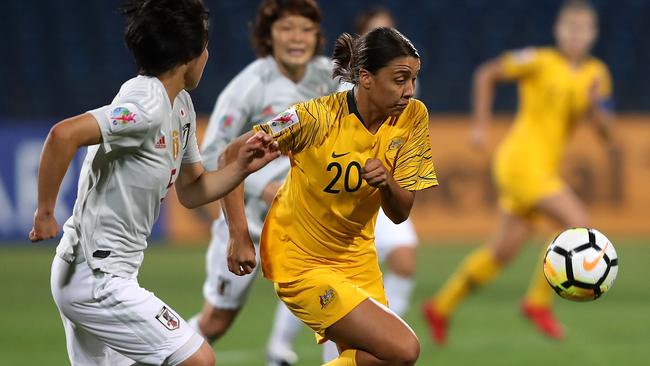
(375, 174)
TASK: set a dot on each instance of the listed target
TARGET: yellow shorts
(521, 186)
(322, 296)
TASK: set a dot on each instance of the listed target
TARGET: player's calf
(214, 323)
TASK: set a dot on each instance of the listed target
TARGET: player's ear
(365, 78)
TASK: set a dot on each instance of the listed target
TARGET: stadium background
(64, 57)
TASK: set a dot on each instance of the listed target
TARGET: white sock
(193, 322)
(398, 291)
(330, 351)
(284, 331)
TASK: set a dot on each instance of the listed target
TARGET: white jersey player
(139, 146)
(255, 95)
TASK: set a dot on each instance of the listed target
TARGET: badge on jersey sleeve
(283, 121)
(122, 117)
(168, 319)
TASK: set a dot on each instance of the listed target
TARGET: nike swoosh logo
(590, 265)
(335, 155)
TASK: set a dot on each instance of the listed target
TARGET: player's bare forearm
(63, 141)
(196, 186)
(233, 203)
(485, 80)
(396, 201)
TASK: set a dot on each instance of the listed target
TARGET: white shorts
(109, 320)
(223, 289)
(389, 236)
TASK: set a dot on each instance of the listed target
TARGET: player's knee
(403, 352)
(402, 261)
(408, 352)
(204, 356)
(579, 220)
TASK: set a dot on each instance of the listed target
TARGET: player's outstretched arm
(241, 252)
(485, 81)
(63, 141)
(395, 200)
(196, 186)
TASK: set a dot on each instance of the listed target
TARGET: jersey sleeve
(192, 154)
(520, 63)
(122, 125)
(298, 127)
(414, 165)
(232, 112)
(603, 87)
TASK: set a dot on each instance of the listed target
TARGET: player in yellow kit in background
(557, 88)
(351, 152)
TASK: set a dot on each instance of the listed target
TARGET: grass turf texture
(487, 330)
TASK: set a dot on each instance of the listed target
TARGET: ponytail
(345, 58)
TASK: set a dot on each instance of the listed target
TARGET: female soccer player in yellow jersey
(557, 88)
(351, 152)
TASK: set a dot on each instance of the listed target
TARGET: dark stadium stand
(48, 71)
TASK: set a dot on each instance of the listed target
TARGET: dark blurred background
(64, 57)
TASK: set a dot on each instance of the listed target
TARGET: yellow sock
(539, 293)
(478, 268)
(347, 358)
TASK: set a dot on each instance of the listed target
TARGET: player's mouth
(296, 52)
(401, 105)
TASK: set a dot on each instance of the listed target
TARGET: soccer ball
(581, 264)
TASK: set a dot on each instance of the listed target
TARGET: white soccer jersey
(255, 95)
(124, 180)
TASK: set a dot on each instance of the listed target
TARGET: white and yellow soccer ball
(581, 264)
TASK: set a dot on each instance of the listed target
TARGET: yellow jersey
(324, 214)
(553, 96)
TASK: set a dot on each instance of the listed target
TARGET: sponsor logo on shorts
(224, 286)
(327, 297)
(168, 319)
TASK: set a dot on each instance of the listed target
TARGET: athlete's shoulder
(146, 92)
(331, 102)
(597, 64)
(528, 54)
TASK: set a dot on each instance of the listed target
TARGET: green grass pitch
(487, 330)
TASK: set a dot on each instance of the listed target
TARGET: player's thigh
(85, 349)
(565, 208)
(511, 233)
(401, 261)
(223, 289)
(120, 314)
(375, 329)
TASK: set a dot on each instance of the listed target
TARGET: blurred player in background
(139, 146)
(287, 38)
(558, 87)
(351, 153)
